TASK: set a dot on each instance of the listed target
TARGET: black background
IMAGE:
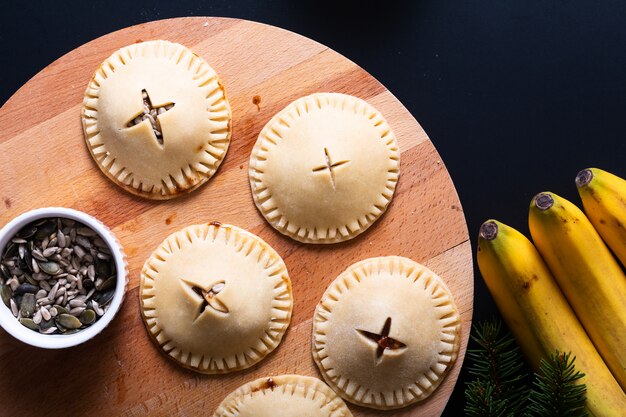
(517, 96)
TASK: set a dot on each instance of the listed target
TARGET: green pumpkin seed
(87, 317)
(60, 310)
(50, 268)
(29, 323)
(68, 321)
(6, 293)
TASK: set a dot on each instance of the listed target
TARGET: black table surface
(517, 96)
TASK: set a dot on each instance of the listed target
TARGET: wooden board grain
(44, 162)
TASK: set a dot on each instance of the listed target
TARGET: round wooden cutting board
(44, 162)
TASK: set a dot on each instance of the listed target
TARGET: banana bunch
(568, 293)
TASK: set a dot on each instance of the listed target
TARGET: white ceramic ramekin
(58, 341)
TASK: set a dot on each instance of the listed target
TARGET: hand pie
(284, 396)
(215, 298)
(324, 168)
(156, 119)
(385, 333)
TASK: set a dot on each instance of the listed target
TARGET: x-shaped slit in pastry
(383, 340)
(151, 113)
(209, 298)
(330, 166)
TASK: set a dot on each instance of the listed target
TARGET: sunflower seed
(77, 303)
(18, 240)
(84, 242)
(44, 301)
(45, 314)
(76, 311)
(13, 283)
(91, 272)
(37, 317)
(48, 252)
(41, 294)
(86, 231)
(61, 241)
(14, 309)
(35, 266)
(53, 292)
(44, 285)
(80, 252)
(49, 330)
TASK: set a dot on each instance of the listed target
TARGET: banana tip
(543, 201)
(584, 177)
(489, 230)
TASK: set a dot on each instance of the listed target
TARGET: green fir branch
(500, 385)
(556, 391)
(482, 402)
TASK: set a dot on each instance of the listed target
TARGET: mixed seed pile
(57, 276)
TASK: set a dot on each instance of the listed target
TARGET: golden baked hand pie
(385, 333)
(215, 298)
(324, 168)
(156, 119)
(284, 396)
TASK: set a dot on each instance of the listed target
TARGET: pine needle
(500, 385)
(556, 391)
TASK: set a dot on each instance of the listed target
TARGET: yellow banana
(538, 314)
(604, 200)
(587, 272)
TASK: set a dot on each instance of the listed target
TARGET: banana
(587, 272)
(538, 314)
(604, 200)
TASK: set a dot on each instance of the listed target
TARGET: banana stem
(544, 201)
(489, 230)
(584, 177)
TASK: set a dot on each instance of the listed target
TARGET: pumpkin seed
(29, 323)
(6, 293)
(68, 321)
(60, 309)
(51, 268)
(87, 317)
